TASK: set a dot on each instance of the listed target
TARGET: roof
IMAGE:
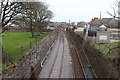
(106, 20)
(118, 20)
(91, 21)
(95, 21)
(118, 23)
(52, 24)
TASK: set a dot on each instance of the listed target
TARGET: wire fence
(20, 52)
(30, 45)
(37, 52)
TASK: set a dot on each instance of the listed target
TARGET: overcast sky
(79, 10)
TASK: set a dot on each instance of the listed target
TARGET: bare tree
(115, 11)
(9, 11)
(37, 14)
(113, 14)
(44, 16)
(28, 12)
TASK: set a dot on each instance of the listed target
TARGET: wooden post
(30, 45)
(7, 60)
(22, 48)
(36, 40)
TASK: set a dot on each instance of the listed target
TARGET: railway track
(81, 64)
(77, 67)
(89, 72)
(59, 50)
(58, 60)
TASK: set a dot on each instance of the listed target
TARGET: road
(58, 63)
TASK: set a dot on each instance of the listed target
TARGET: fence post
(36, 40)
(30, 45)
(22, 48)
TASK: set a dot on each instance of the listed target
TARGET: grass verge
(109, 50)
(17, 44)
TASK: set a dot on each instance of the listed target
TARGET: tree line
(34, 15)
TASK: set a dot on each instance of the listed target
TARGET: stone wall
(24, 67)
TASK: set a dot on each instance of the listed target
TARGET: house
(81, 24)
(52, 26)
(118, 23)
(102, 28)
(94, 24)
(113, 23)
(109, 22)
(65, 25)
(105, 21)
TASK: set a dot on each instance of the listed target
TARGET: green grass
(12, 42)
(104, 48)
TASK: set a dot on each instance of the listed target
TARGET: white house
(52, 26)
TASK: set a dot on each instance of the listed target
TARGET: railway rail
(58, 51)
(55, 64)
(82, 69)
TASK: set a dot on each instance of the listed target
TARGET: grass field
(104, 48)
(12, 42)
